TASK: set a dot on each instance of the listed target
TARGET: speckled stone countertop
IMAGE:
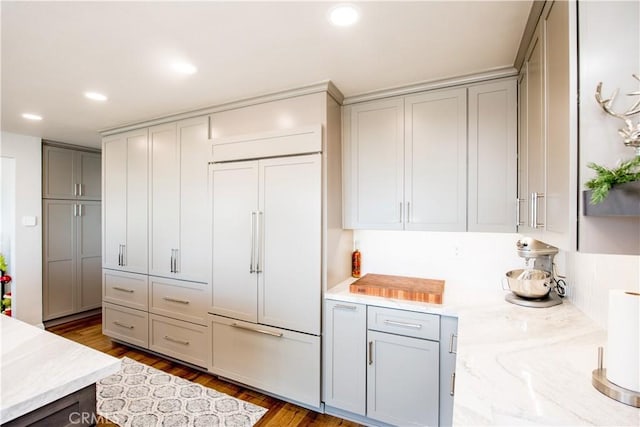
(518, 365)
(38, 367)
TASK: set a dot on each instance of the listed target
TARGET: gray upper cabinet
(435, 165)
(71, 174)
(547, 136)
(492, 157)
(405, 162)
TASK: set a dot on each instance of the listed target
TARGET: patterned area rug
(140, 395)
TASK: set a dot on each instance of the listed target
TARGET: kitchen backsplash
(464, 259)
(594, 275)
(480, 260)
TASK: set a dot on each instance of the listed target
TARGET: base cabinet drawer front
(278, 361)
(403, 380)
(125, 324)
(177, 299)
(182, 340)
(128, 289)
(406, 323)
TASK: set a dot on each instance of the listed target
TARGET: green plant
(606, 178)
(3, 263)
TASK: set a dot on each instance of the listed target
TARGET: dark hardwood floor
(89, 332)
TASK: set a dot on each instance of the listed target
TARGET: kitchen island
(39, 368)
(517, 365)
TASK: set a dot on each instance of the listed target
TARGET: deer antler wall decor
(630, 134)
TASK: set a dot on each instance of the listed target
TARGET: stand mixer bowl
(529, 283)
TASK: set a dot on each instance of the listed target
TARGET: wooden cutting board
(407, 288)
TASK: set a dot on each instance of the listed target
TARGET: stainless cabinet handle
(180, 301)
(452, 387)
(408, 212)
(124, 254)
(346, 307)
(260, 331)
(75, 189)
(176, 340)
(75, 210)
(533, 221)
(400, 212)
(260, 234)
(253, 243)
(123, 325)
(370, 352)
(402, 324)
(80, 210)
(118, 288)
(120, 259)
(176, 261)
(451, 338)
(80, 190)
(518, 219)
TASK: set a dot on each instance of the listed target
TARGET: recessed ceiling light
(343, 15)
(184, 68)
(30, 116)
(95, 96)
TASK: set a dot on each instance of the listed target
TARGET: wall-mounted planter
(622, 200)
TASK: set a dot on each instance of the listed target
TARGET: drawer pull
(452, 388)
(402, 324)
(180, 301)
(176, 340)
(451, 338)
(346, 307)
(370, 352)
(261, 331)
(123, 325)
(117, 288)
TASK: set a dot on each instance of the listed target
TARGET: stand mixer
(542, 255)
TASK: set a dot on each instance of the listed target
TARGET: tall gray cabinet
(71, 212)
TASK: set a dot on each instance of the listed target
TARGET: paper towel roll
(623, 342)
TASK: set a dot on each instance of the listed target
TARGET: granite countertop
(38, 367)
(518, 365)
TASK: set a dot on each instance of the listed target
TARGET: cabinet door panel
(114, 157)
(59, 258)
(59, 181)
(136, 211)
(522, 216)
(535, 127)
(164, 199)
(290, 233)
(235, 198)
(88, 174)
(345, 346)
(376, 165)
(492, 157)
(557, 91)
(88, 255)
(436, 161)
(195, 236)
(403, 380)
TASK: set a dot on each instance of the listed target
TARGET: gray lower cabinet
(72, 258)
(388, 367)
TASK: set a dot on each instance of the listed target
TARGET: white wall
(26, 246)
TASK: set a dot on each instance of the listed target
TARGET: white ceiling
(52, 52)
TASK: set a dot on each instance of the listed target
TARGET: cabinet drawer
(182, 340)
(126, 289)
(406, 323)
(278, 361)
(178, 299)
(125, 324)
